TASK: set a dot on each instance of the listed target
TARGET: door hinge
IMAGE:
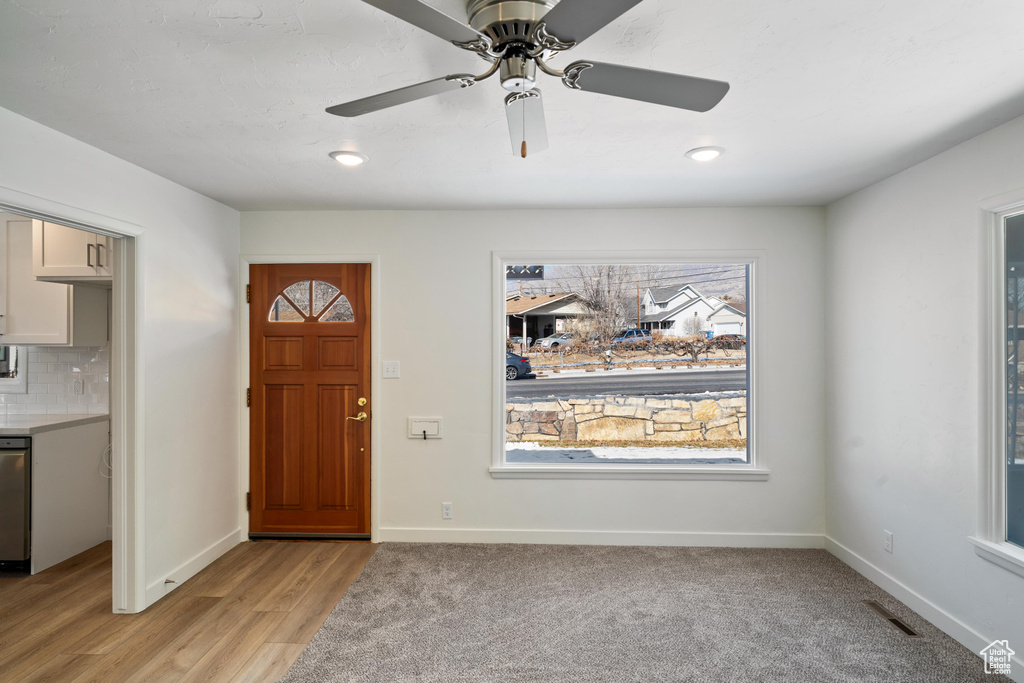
(248, 397)
(248, 293)
(248, 501)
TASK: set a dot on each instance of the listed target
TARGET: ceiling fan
(518, 37)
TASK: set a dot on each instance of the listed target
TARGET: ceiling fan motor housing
(518, 73)
(507, 21)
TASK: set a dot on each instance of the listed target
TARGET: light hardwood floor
(246, 617)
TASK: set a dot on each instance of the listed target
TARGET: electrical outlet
(888, 541)
(78, 387)
(446, 511)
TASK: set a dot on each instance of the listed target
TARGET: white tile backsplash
(52, 372)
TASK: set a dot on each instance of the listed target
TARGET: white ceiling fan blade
(577, 20)
(409, 93)
(526, 126)
(657, 87)
(429, 19)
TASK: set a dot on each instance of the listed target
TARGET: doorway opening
(68, 335)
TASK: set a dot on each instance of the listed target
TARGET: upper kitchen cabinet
(63, 254)
(36, 313)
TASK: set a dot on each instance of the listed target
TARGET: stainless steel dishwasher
(15, 502)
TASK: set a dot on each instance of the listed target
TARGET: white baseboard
(184, 572)
(938, 617)
(543, 536)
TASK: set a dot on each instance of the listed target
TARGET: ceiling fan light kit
(517, 38)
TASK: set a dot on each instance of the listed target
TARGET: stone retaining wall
(632, 418)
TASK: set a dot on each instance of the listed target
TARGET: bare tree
(611, 294)
(693, 326)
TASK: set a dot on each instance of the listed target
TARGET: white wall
(188, 259)
(436, 267)
(903, 383)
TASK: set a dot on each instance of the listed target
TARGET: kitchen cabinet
(63, 254)
(70, 492)
(36, 313)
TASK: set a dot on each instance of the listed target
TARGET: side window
(1014, 345)
(13, 370)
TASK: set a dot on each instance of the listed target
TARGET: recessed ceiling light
(705, 153)
(349, 158)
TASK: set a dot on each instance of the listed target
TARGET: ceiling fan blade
(409, 93)
(577, 20)
(429, 19)
(526, 126)
(658, 87)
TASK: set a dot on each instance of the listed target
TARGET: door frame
(244, 443)
(127, 426)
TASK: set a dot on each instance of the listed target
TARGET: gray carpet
(593, 613)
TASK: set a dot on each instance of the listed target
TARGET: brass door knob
(360, 417)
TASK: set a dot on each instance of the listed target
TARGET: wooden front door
(309, 345)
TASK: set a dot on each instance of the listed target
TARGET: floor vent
(893, 620)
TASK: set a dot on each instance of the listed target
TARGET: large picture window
(627, 365)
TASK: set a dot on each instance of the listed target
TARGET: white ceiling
(227, 97)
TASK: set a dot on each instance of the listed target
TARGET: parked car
(518, 340)
(556, 340)
(632, 336)
(730, 341)
(516, 366)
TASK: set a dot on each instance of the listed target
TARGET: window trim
(757, 467)
(989, 540)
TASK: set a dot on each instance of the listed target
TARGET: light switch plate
(392, 369)
(431, 425)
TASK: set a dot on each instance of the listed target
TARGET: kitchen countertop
(27, 425)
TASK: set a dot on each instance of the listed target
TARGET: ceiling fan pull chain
(522, 150)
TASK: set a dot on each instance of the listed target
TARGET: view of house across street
(627, 363)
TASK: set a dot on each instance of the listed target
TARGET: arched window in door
(311, 301)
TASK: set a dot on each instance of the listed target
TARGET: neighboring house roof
(726, 308)
(517, 305)
(662, 294)
(661, 316)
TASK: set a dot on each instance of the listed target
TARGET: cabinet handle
(88, 255)
(99, 261)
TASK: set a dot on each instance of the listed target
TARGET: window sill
(735, 473)
(1007, 555)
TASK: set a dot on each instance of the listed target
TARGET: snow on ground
(532, 452)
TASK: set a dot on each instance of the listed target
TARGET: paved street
(648, 384)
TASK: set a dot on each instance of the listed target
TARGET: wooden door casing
(309, 465)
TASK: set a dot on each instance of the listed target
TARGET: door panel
(283, 353)
(338, 354)
(336, 461)
(283, 449)
(309, 340)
